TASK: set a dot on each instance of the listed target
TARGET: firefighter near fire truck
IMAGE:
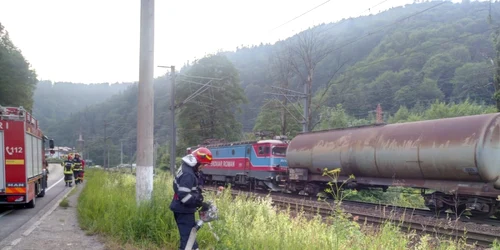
(188, 195)
(68, 171)
(22, 155)
(77, 168)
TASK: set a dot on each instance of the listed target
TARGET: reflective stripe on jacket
(77, 164)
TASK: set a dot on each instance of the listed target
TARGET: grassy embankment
(107, 206)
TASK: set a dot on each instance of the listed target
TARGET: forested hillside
(55, 101)
(17, 79)
(444, 53)
(408, 56)
(115, 118)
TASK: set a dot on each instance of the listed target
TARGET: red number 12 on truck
(22, 175)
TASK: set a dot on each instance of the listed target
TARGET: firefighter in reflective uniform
(77, 167)
(68, 171)
(82, 171)
(188, 197)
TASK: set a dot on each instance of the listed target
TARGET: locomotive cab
(275, 152)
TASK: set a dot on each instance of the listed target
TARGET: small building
(59, 152)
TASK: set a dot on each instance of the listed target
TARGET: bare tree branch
(310, 49)
(328, 86)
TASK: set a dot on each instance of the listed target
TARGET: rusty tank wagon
(457, 159)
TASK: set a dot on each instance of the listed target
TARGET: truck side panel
(33, 155)
(2, 164)
(29, 154)
(39, 159)
(15, 177)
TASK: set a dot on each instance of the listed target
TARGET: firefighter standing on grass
(68, 171)
(77, 167)
(188, 197)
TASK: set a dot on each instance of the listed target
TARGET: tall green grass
(107, 206)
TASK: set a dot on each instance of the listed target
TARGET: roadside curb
(33, 223)
(28, 232)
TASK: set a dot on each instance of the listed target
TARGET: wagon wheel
(458, 210)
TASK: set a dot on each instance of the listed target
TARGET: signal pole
(145, 115)
(121, 152)
(379, 114)
(172, 114)
(105, 146)
(172, 120)
(305, 124)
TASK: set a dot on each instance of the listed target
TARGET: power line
(344, 20)
(203, 77)
(388, 25)
(317, 6)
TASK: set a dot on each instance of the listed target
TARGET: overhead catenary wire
(386, 26)
(203, 77)
(334, 24)
(360, 14)
(182, 80)
(295, 18)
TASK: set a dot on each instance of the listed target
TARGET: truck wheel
(31, 204)
(42, 193)
(41, 186)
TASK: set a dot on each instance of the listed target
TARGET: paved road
(12, 219)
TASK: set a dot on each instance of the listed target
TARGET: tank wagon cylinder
(465, 149)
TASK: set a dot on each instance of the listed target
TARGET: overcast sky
(92, 41)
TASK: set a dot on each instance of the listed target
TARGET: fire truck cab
(23, 176)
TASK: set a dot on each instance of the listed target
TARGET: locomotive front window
(263, 150)
(280, 151)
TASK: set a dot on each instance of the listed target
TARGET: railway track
(422, 221)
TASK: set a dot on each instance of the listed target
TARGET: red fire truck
(22, 173)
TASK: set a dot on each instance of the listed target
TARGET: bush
(107, 206)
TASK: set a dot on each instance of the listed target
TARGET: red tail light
(15, 198)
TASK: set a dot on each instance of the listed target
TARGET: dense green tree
(473, 80)
(17, 79)
(211, 113)
(336, 117)
(440, 110)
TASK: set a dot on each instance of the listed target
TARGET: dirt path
(58, 230)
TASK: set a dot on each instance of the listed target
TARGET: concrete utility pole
(145, 115)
